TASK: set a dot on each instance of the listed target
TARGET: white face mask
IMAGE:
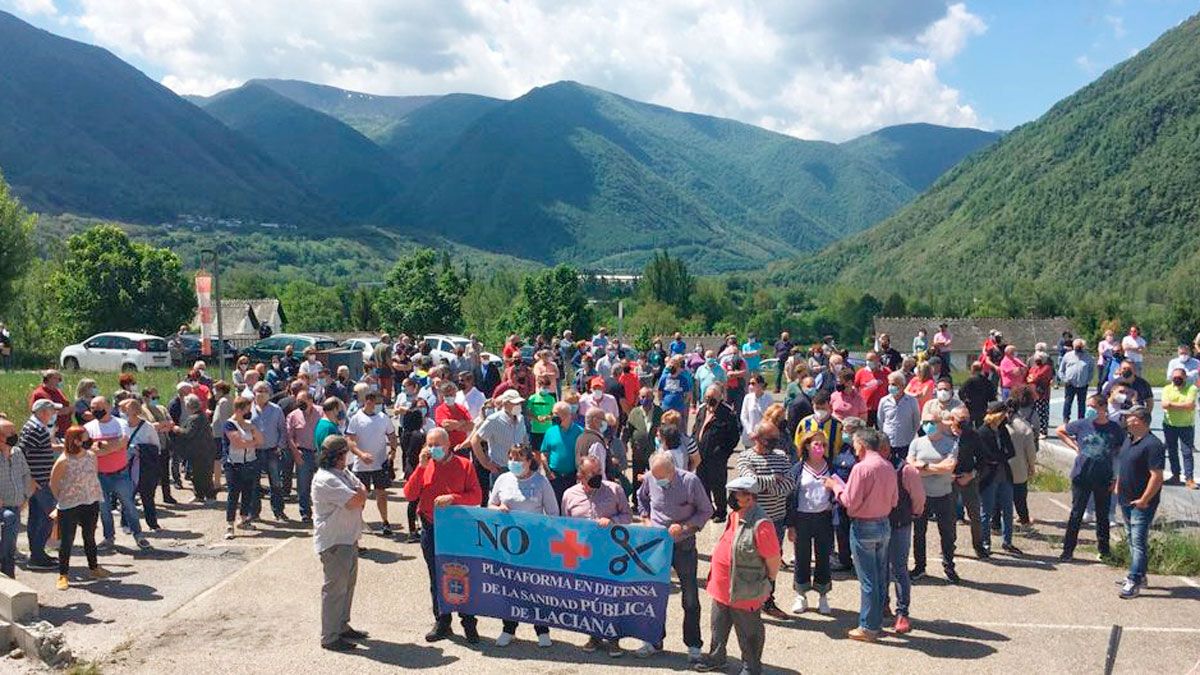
(943, 395)
(821, 415)
(597, 394)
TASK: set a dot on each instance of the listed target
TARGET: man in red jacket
(441, 478)
(49, 389)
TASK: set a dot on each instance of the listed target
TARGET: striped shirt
(501, 433)
(35, 443)
(771, 473)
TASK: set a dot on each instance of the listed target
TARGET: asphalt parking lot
(199, 603)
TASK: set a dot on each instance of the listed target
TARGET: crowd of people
(847, 464)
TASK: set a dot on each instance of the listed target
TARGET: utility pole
(216, 265)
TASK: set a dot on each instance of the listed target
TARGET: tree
(553, 301)
(420, 296)
(667, 280)
(894, 306)
(109, 283)
(362, 309)
(309, 307)
(16, 243)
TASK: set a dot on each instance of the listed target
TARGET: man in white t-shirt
(1134, 346)
(468, 396)
(338, 500)
(372, 434)
(110, 440)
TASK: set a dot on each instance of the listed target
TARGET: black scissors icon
(619, 564)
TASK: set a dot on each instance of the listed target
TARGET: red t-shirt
(63, 421)
(452, 411)
(455, 476)
(872, 385)
(722, 561)
(632, 385)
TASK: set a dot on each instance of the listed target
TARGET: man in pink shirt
(301, 423)
(1012, 372)
(869, 497)
(942, 340)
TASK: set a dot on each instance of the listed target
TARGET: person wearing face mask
(596, 398)
(977, 393)
(146, 447)
(373, 439)
(995, 477)
(869, 496)
(745, 562)
(1023, 464)
(39, 445)
(602, 502)
(85, 390)
(966, 478)
(717, 432)
(910, 504)
(753, 406)
(76, 488)
(16, 487)
(558, 449)
(539, 408)
(710, 372)
(271, 423)
(194, 442)
(677, 500)
(501, 430)
(872, 383)
(522, 488)
(1138, 491)
(301, 427)
(1134, 347)
(899, 417)
(1127, 375)
(51, 389)
(1179, 426)
(640, 432)
(675, 387)
(801, 405)
(1096, 440)
(1012, 371)
(338, 500)
(1185, 361)
(605, 363)
(770, 468)
(846, 400)
(683, 450)
(736, 372)
(809, 518)
(332, 422)
(239, 455)
(943, 400)
(442, 478)
(594, 440)
(934, 456)
(1075, 372)
(110, 437)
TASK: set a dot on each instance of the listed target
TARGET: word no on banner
(567, 573)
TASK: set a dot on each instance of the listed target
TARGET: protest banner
(567, 573)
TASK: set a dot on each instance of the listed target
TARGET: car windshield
(323, 345)
(156, 345)
(461, 343)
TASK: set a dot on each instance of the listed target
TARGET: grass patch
(16, 386)
(1172, 551)
(89, 668)
(1049, 479)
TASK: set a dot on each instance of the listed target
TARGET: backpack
(902, 514)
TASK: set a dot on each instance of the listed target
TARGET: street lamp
(211, 253)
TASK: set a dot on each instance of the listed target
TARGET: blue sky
(824, 69)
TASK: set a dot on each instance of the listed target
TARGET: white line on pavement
(1059, 504)
(229, 579)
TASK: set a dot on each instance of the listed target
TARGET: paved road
(204, 605)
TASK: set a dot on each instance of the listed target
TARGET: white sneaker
(801, 604)
(645, 651)
(694, 655)
(544, 640)
(823, 605)
(504, 640)
(229, 532)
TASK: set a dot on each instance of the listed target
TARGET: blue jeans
(998, 494)
(1137, 533)
(274, 465)
(10, 524)
(121, 485)
(869, 544)
(38, 529)
(304, 475)
(1180, 439)
(898, 546)
(241, 485)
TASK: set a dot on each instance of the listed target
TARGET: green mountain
(82, 131)
(1102, 193)
(920, 153)
(372, 115)
(605, 180)
(422, 136)
(345, 167)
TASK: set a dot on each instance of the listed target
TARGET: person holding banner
(441, 478)
(338, 498)
(522, 488)
(677, 500)
(741, 578)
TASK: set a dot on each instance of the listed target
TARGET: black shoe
(1173, 480)
(440, 631)
(178, 485)
(386, 531)
(916, 573)
(983, 553)
(952, 576)
(1012, 549)
(706, 666)
(471, 633)
(718, 518)
(339, 645)
(170, 500)
(414, 538)
(41, 564)
(1065, 557)
(352, 634)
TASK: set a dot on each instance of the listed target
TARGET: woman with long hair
(810, 521)
(76, 486)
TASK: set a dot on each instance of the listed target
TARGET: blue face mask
(657, 443)
(437, 452)
(810, 391)
(341, 415)
(930, 428)
(516, 467)
(574, 408)
(1090, 414)
(893, 389)
(846, 440)
(604, 427)
(662, 482)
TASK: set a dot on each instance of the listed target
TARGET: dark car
(266, 348)
(190, 351)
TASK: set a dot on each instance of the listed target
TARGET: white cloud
(36, 7)
(1086, 64)
(1117, 24)
(813, 68)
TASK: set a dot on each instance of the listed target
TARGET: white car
(443, 346)
(364, 345)
(117, 352)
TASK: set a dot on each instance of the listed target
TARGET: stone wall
(969, 334)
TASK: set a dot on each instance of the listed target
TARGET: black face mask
(303, 407)
(246, 416)
(595, 481)
(1177, 381)
(99, 413)
(11, 441)
(735, 503)
(86, 444)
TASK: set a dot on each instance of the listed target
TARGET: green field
(16, 386)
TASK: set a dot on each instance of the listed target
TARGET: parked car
(364, 345)
(191, 351)
(117, 352)
(266, 348)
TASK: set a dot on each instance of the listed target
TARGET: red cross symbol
(571, 549)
